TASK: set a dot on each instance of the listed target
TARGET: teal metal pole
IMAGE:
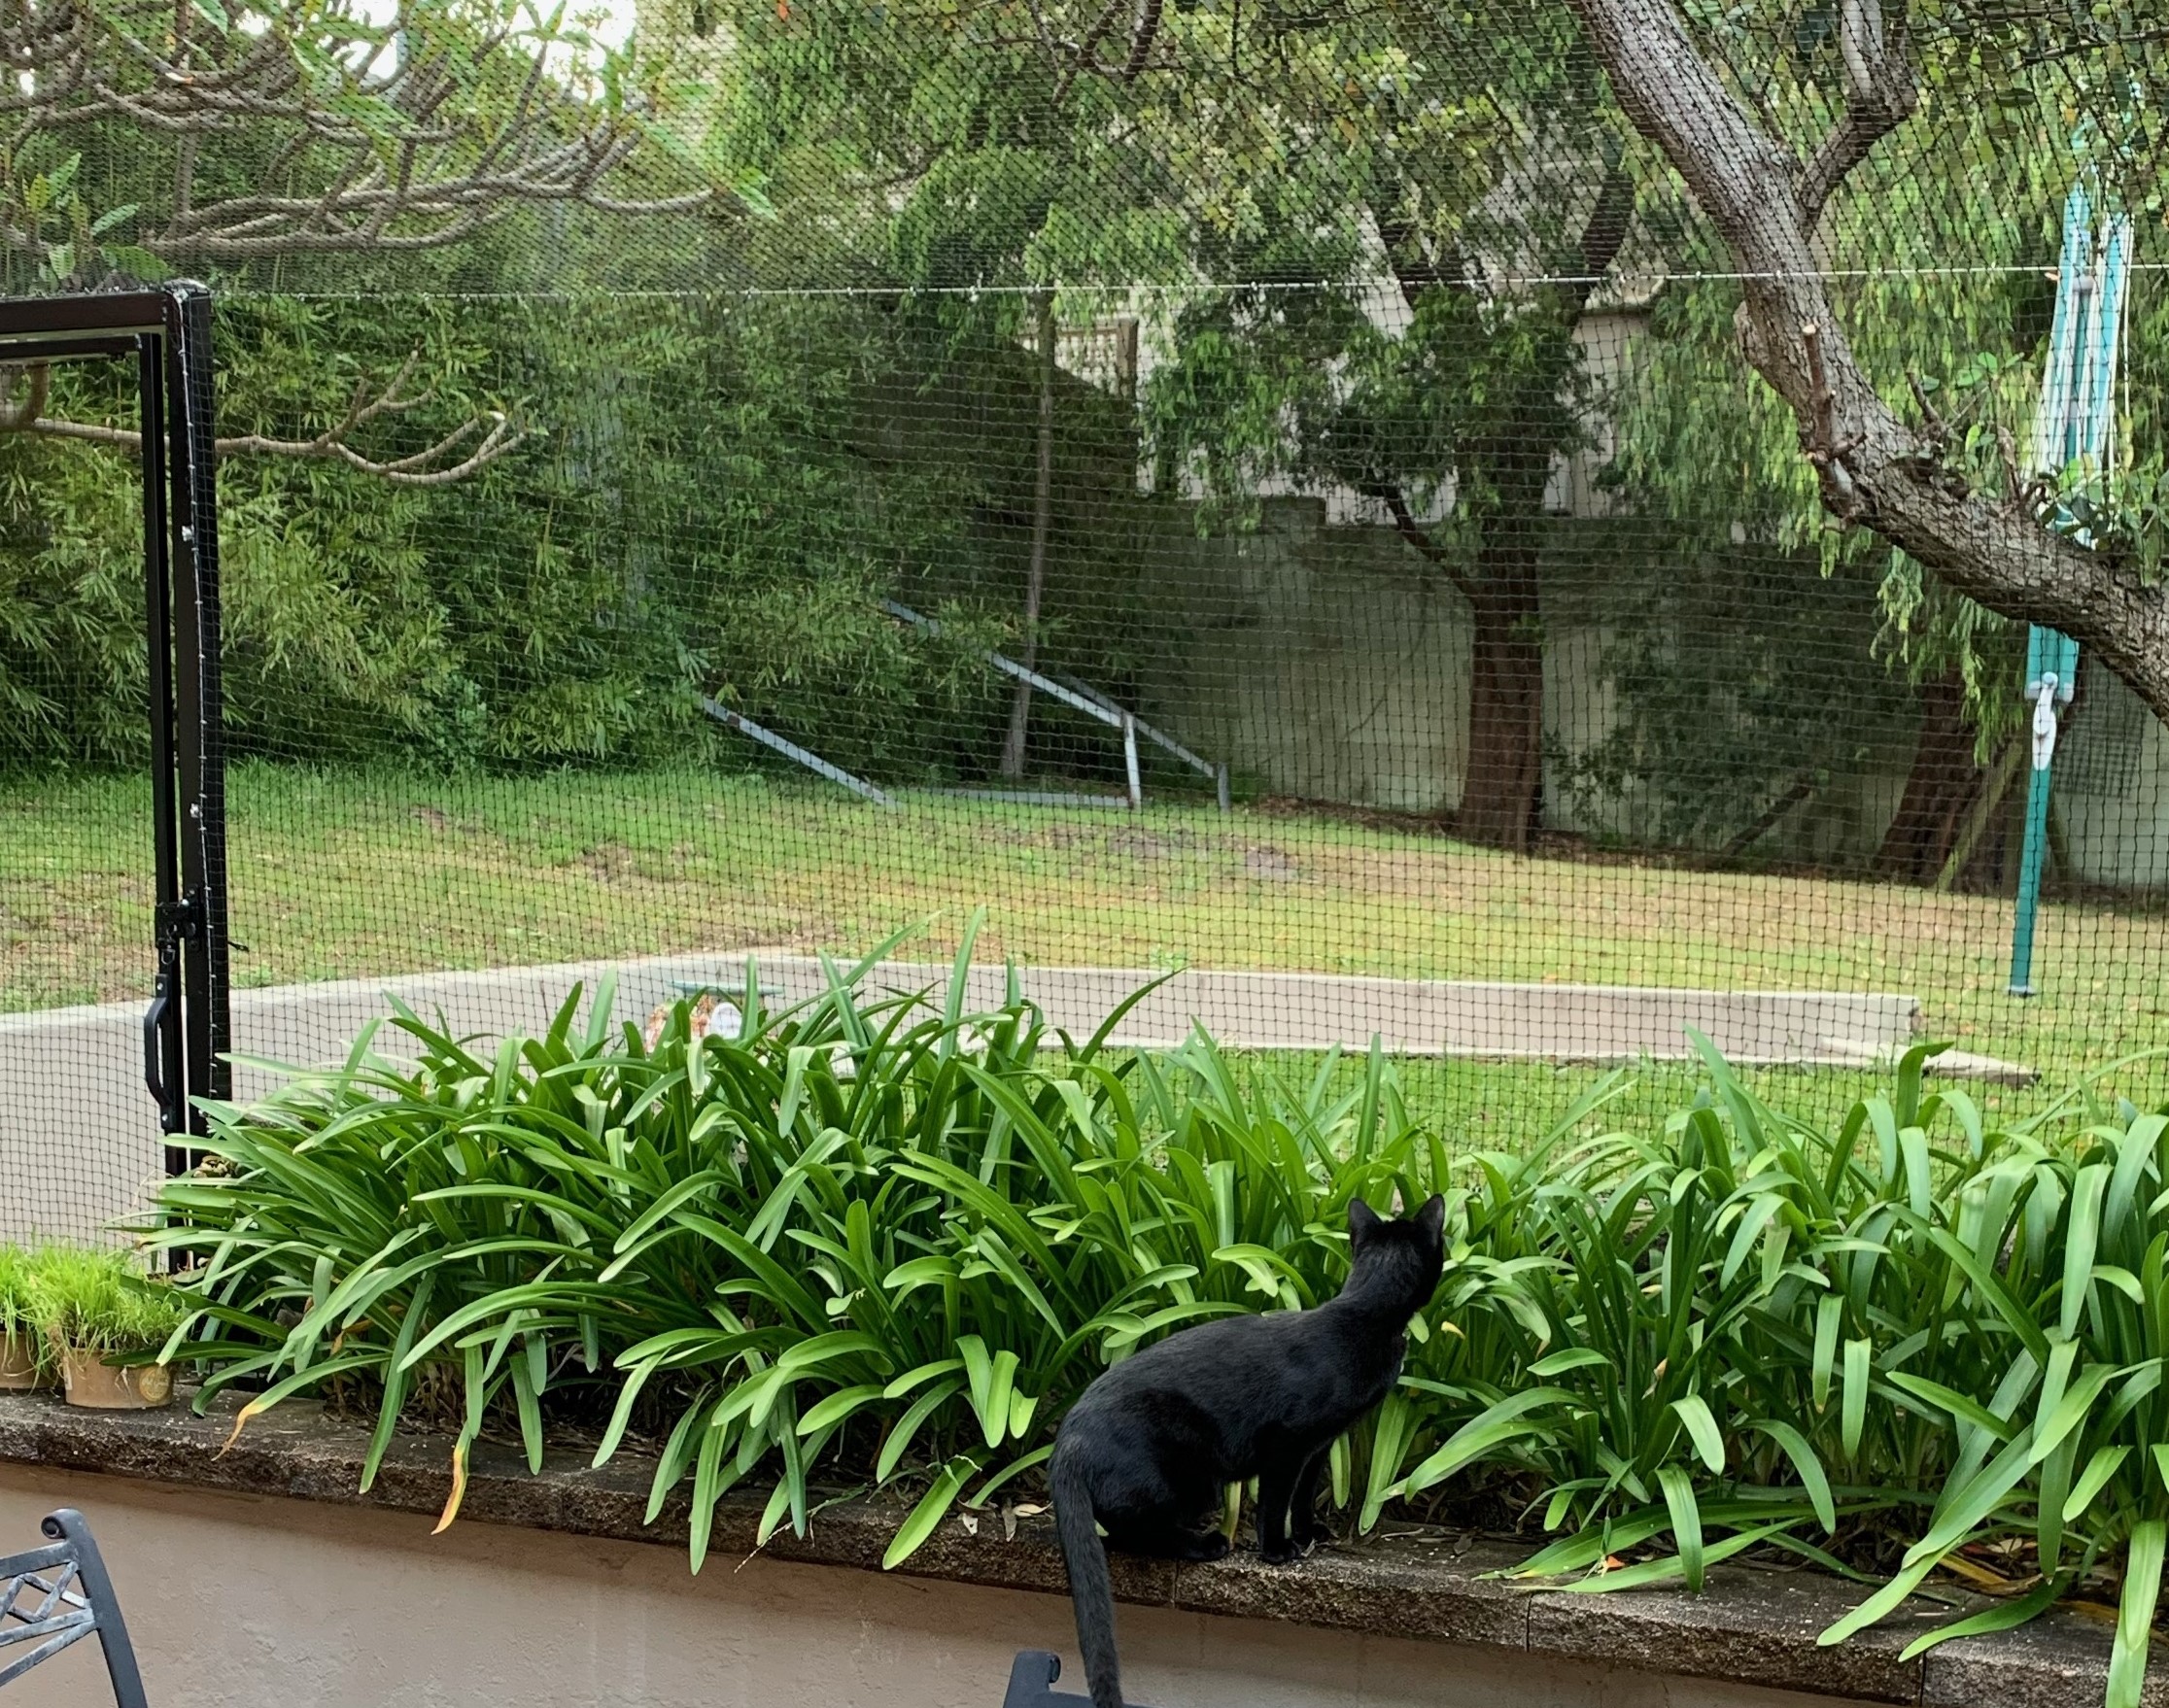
(2029, 881)
(2051, 664)
(2051, 450)
(2078, 410)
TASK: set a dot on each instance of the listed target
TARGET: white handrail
(813, 761)
(1094, 704)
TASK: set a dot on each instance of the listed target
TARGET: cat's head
(1405, 1254)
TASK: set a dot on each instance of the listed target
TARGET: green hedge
(712, 497)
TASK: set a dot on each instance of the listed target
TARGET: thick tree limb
(1143, 31)
(1875, 470)
(1612, 218)
(1415, 271)
(1604, 234)
(1082, 56)
(1765, 821)
(14, 416)
(1880, 96)
(1078, 55)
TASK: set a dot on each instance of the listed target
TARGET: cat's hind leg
(1288, 1525)
(1276, 1492)
(1304, 1527)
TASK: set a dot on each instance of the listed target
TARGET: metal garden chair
(1032, 1676)
(53, 1595)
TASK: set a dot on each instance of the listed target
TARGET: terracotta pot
(19, 1360)
(112, 1387)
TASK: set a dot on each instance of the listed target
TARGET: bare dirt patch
(609, 863)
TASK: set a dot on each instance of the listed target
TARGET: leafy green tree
(1714, 455)
(1775, 133)
(1459, 415)
(1452, 411)
(569, 605)
(972, 165)
(1260, 149)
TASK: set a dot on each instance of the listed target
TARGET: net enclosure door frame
(166, 332)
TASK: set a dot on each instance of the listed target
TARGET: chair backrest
(1032, 1676)
(58, 1594)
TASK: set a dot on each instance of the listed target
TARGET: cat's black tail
(1091, 1592)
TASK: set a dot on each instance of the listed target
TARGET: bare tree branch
(413, 155)
(426, 467)
(1419, 538)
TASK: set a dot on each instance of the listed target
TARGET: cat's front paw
(1288, 1553)
(1204, 1550)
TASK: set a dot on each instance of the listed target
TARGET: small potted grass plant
(106, 1322)
(22, 1347)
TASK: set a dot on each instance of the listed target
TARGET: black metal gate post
(199, 744)
(165, 1065)
(168, 332)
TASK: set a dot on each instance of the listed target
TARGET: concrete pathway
(77, 1141)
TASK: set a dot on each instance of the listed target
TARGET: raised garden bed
(1752, 1626)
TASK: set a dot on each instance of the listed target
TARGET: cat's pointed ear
(1431, 1218)
(1362, 1219)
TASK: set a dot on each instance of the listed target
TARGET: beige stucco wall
(1314, 661)
(241, 1602)
(1317, 662)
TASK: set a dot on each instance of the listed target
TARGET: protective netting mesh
(649, 467)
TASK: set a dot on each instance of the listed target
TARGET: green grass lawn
(357, 876)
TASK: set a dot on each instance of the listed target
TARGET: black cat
(1150, 1449)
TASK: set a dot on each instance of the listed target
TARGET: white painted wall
(260, 1602)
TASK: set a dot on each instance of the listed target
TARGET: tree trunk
(1873, 471)
(1943, 783)
(1943, 805)
(1981, 851)
(1502, 798)
(1501, 787)
(1042, 522)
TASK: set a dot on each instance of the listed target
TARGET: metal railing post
(164, 1063)
(200, 742)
